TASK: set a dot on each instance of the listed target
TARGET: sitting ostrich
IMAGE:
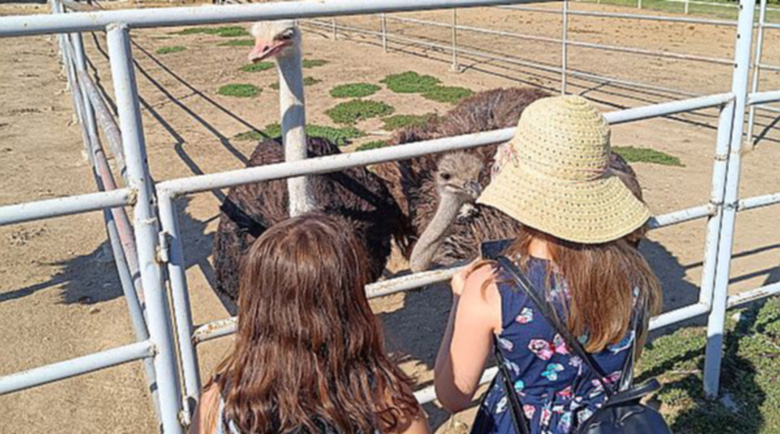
(356, 194)
(437, 192)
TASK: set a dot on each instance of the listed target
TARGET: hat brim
(590, 212)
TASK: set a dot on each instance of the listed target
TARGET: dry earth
(59, 294)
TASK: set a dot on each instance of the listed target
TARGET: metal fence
(149, 255)
(457, 49)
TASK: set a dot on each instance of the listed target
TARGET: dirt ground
(59, 294)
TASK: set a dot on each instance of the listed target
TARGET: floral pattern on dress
(556, 389)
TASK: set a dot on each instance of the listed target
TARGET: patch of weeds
(225, 31)
(239, 90)
(338, 136)
(169, 50)
(750, 398)
(357, 110)
(376, 144)
(257, 67)
(237, 43)
(313, 63)
(161, 37)
(307, 81)
(396, 122)
(646, 155)
(354, 90)
(448, 94)
(410, 82)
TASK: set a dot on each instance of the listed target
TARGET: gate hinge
(164, 248)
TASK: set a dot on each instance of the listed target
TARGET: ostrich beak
(265, 49)
(473, 188)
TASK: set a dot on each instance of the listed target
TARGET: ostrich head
(274, 39)
(458, 174)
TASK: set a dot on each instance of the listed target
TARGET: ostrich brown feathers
(354, 194)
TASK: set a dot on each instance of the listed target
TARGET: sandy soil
(59, 295)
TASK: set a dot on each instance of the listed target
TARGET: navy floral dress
(557, 391)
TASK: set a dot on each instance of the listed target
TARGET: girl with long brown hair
(309, 355)
(580, 222)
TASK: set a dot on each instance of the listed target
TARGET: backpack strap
(549, 313)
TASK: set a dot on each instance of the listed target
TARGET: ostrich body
(355, 194)
(450, 227)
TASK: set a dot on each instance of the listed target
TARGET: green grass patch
(338, 136)
(225, 31)
(354, 90)
(169, 50)
(239, 90)
(749, 375)
(646, 155)
(396, 122)
(410, 82)
(376, 144)
(160, 38)
(307, 81)
(313, 63)
(448, 94)
(237, 43)
(355, 110)
(257, 67)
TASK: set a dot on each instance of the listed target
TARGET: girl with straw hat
(573, 249)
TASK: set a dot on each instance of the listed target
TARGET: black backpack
(621, 413)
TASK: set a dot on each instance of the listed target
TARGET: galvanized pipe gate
(166, 339)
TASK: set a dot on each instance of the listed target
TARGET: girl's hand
(458, 281)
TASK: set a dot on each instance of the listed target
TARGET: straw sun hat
(558, 178)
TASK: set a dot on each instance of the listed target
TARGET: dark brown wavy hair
(309, 352)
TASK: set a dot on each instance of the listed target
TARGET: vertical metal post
(756, 74)
(686, 7)
(639, 4)
(126, 94)
(181, 303)
(564, 45)
(739, 87)
(384, 33)
(455, 67)
(88, 113)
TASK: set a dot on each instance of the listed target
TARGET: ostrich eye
(446, 176)
(287, 35)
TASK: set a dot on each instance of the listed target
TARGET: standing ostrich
(356, 194)
(449, 226)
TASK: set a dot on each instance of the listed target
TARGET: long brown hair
(308, 349)
(601, 279)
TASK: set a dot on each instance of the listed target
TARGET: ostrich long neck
(436, 231)
(293, 111)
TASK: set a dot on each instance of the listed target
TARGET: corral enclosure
(60, 298)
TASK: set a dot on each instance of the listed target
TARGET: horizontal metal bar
(772, 25)
(758, 201)
(723, 5)
(753, 295)
(763, 97)
(320, 165)
(681, 216)
(67, 205)
(769, 67)
(24, 25)
(768, 108)
(224, 327)
(569, 42)
(73, 367)
(668, 108)
(627, 16)
(677, 315)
